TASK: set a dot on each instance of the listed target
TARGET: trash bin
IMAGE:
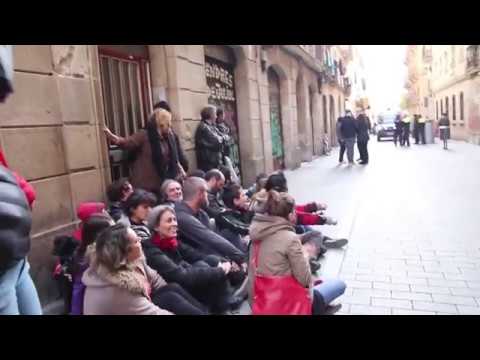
(429, 135)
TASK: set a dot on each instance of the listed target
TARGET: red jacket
(305, 215)
(24, 185)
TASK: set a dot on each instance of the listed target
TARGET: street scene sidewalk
(410, 217)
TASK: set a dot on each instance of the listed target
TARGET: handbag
(278, 295)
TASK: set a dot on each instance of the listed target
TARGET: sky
(385, 74)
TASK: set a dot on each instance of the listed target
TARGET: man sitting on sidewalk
(194, 229)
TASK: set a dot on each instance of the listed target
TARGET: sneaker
(332, 309)
(334, 243)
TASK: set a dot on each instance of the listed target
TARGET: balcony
(473, 60)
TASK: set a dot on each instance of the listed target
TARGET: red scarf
(166, 244)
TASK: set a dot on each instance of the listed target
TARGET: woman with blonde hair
(159, 155)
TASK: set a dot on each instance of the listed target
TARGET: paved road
(412, 217)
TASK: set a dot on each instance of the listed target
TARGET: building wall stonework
(51, 128)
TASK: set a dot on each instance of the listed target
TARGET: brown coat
(121, 293)
(281, 251)
(143, 173)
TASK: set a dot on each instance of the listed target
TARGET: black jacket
(194, 229)
(234, 220)
(209, 146)
(363, 128)
(175, 266)
(215, 204)
(348, 127)
(15, 221)
(226, 133)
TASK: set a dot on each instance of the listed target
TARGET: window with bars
(436, 108)
(127, 101)
(446, 106)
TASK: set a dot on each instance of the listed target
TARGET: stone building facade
(444, 78)
(280, 100)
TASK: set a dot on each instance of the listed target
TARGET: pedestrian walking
(397, 136)
(416, 128)
(340, 140)
(363, 137)
(348, 129)
(406, 130)
(444, 127)
(421, 128)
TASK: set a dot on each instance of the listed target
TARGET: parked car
(385, 127)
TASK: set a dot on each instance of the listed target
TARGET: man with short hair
(194, 224)
(348, 130)
(215, 183)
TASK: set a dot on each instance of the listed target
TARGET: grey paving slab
(394, 213)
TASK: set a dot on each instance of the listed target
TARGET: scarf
(163, 170)
(165, 244)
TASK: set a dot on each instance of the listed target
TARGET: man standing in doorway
(340, 140)
(208, 141)
(348, 130)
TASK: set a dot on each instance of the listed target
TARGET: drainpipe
(259, 74)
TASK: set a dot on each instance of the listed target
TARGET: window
(461, 107)
(436, 108)
(454, 108)
(446, 105)
(441, 107)
(425, 102)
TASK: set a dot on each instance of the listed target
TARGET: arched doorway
(275, 119)
(220, 63)
(332, 120)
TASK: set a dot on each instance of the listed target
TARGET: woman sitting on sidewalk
(119, 282)
(91, 228)
(203, 276)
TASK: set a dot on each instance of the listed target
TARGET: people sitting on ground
(205, 277)
(170, 192)
(137, 208)
(91, 228)
(307, 214)
(277, 255)
(84, 211)
(260, 182)
(234, 222)
(215, 183)
(158, 152)
(197, 173)
(119, 282)
(326, 290)
(194, 229)
(117, 193)
(209, 143)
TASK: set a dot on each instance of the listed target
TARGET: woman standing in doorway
(160, 155)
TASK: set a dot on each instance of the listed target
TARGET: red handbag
(278, 295)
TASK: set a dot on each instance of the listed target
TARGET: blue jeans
(330, 289)
(18, 295)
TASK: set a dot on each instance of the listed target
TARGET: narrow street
(411, 216)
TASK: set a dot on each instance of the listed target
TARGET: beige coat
(281, 252)
(122, 293)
